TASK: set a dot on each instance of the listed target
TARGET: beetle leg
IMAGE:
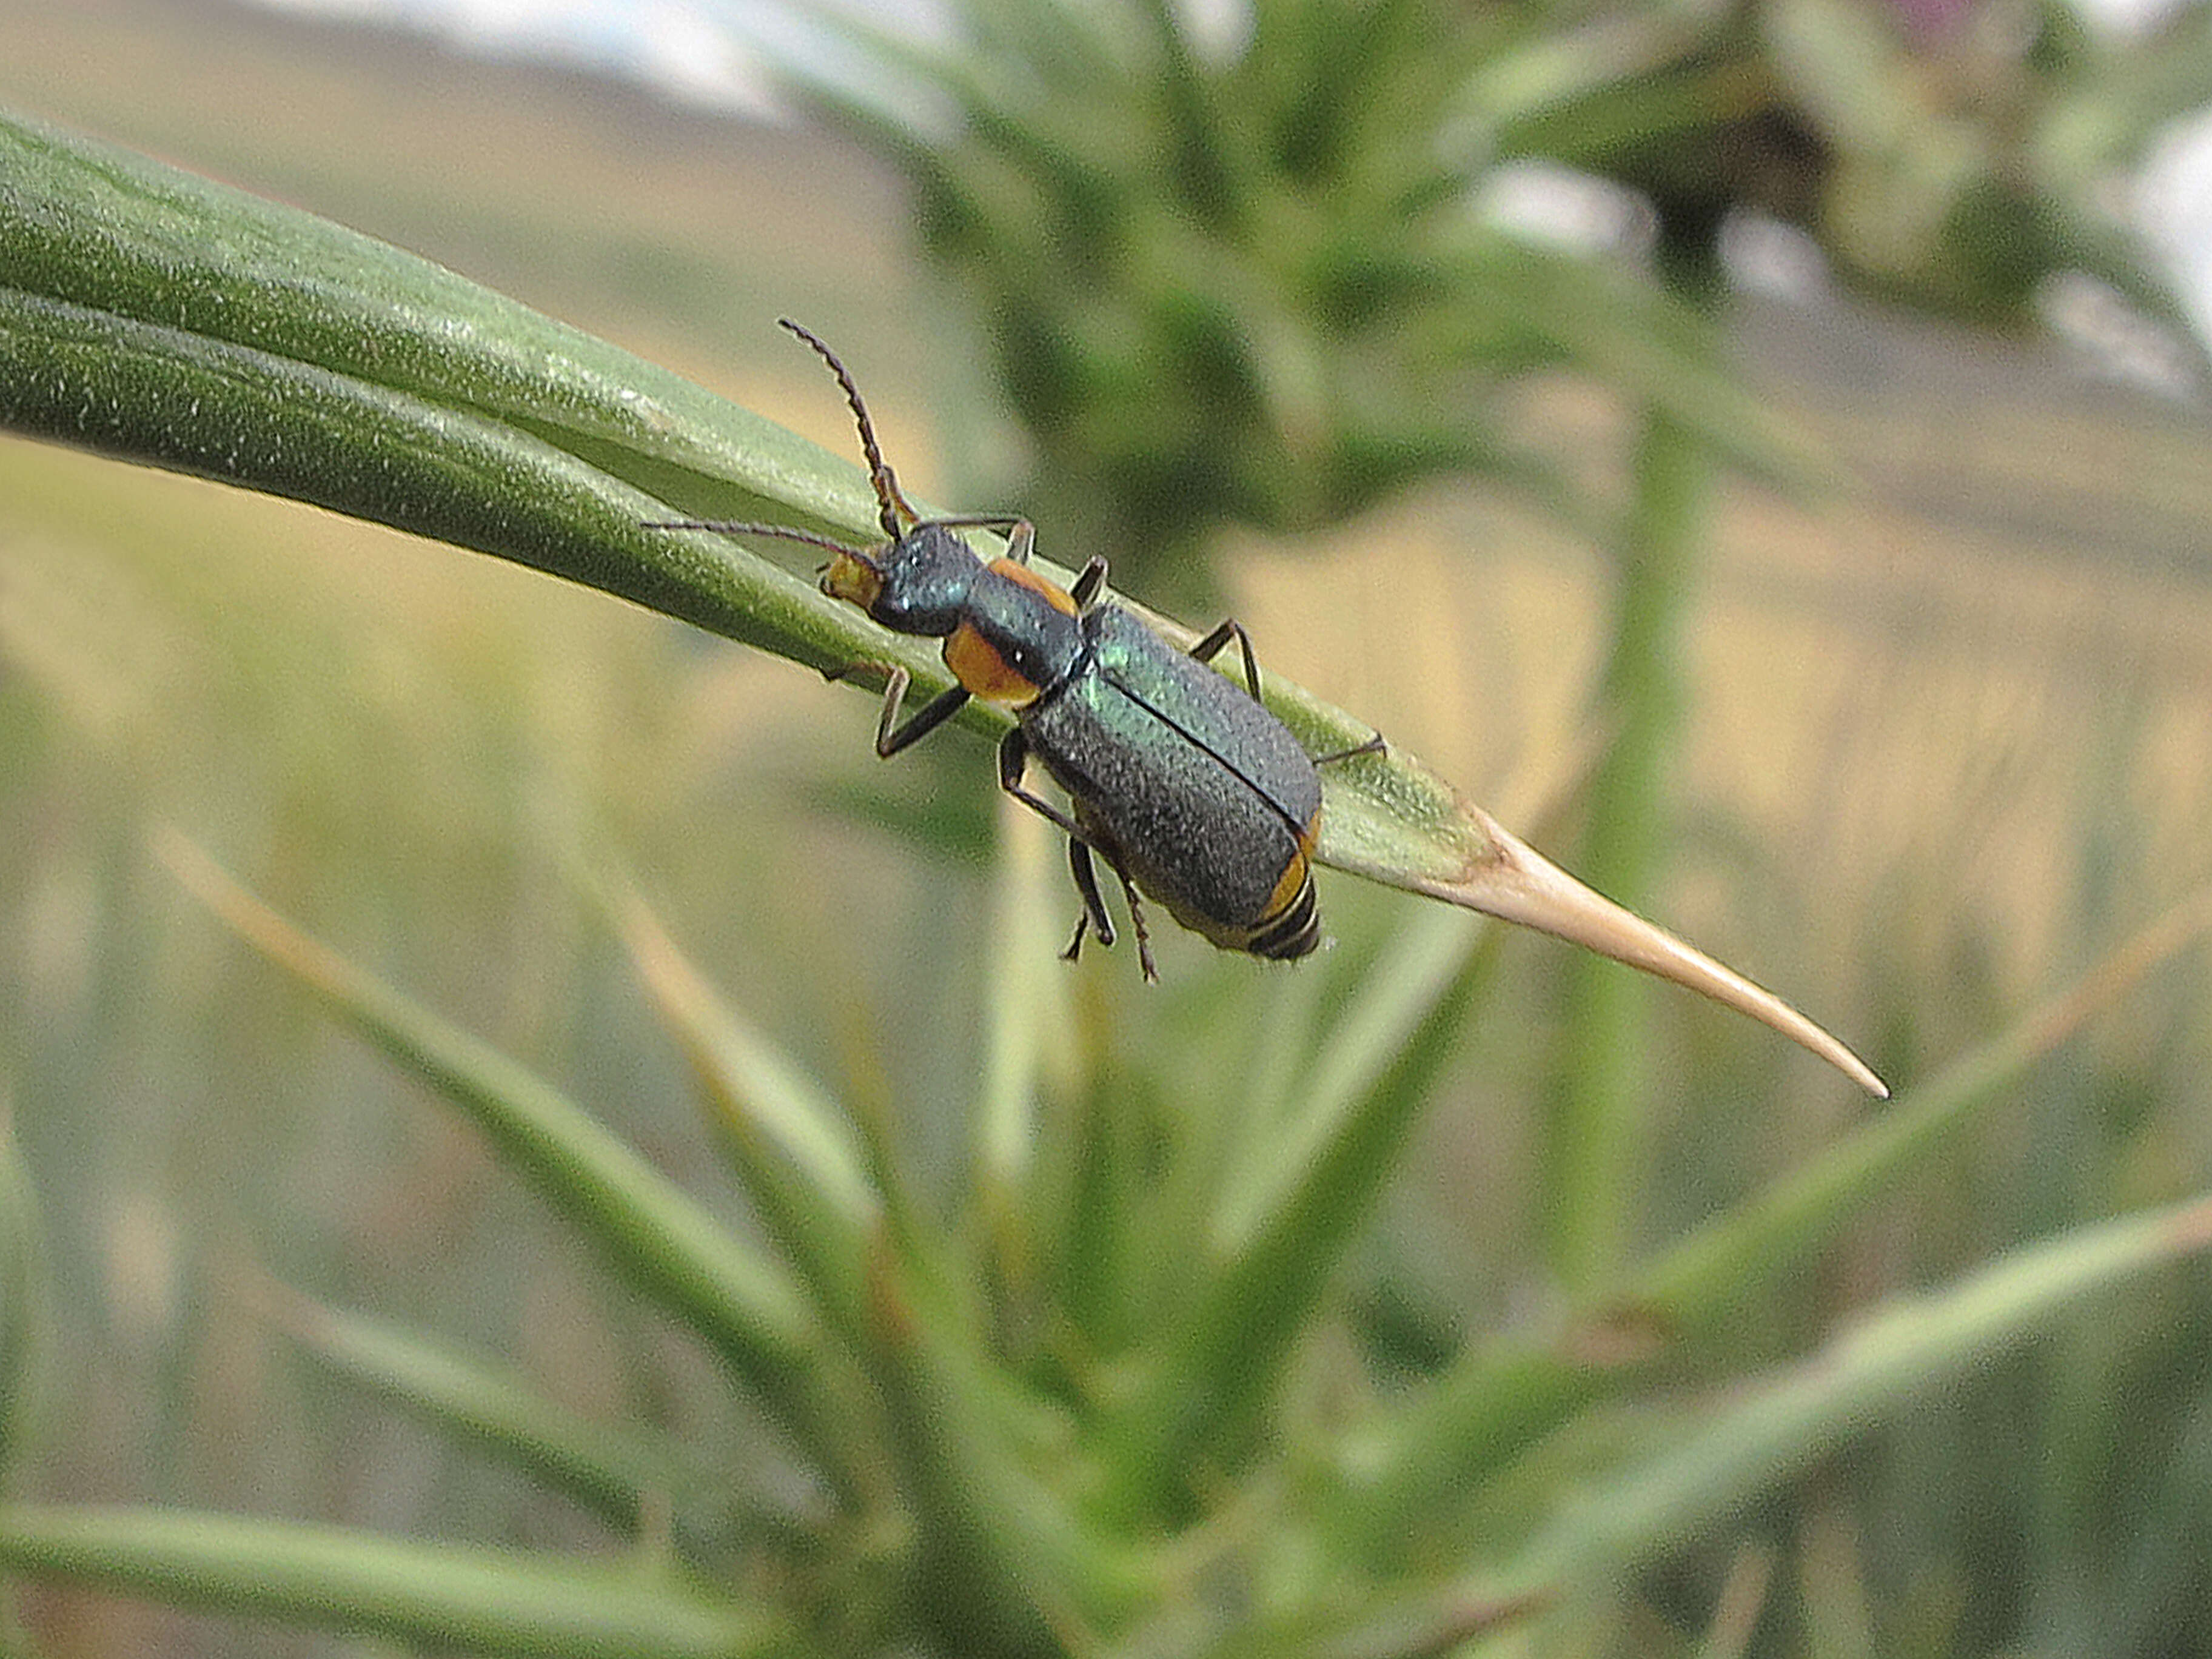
(1087, 584)
(1210, 647)
(1094, 918)
(1137, 921)
(1013, 767)
(930, 715)
(1374, 745)
(1021, 534)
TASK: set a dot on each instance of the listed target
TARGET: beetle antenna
(879, 472)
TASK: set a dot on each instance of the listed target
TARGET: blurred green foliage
(1246, 272)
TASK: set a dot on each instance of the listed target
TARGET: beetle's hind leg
(1137, 921)
(1013, 767)
(1210, 647)
(1094, 919)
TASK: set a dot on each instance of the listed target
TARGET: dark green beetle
(1189, 789)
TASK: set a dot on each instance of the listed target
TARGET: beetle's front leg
(1088, 581)
(891, 737)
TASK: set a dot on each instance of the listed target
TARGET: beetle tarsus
(1374, 745)
(930, 715)
(1144, 935)
(1094, 918)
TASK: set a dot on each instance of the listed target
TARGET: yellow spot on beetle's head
(851, 576)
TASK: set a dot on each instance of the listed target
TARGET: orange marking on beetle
(1293, 879)
(1058, 596)
(976, 664)
(852, 577)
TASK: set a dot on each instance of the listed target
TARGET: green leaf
(649, 1231)
(442, 1595)
(1699, 1280)
(616, 1473)
(786, 1142)
(1716, 1459)
(158, 317)
(1870, 1373)
(1508, 1392)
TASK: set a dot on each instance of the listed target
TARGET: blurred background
(1934, 732)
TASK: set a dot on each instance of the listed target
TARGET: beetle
(1189, 789)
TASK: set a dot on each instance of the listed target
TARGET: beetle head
(918, 580)
(853, 576)
(918, 584)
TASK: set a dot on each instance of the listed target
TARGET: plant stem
(1594, 1133)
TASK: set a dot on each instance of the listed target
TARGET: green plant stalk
(1261, 1295)
(25, 1334)
(1024, 1008)
(1593, 1136)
